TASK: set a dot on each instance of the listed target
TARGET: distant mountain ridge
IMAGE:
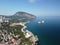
(21, 16)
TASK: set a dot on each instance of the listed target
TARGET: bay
(49, 32)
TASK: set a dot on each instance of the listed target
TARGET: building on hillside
(3, 20)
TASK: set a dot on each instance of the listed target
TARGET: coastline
(28, 34)
(32, 37)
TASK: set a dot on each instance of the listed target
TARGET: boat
(41, 22)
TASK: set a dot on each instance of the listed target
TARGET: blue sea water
(49, 32)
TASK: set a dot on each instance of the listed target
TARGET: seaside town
(15, 33)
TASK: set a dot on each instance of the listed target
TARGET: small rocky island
(13, 32)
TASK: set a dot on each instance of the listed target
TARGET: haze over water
(49, 32)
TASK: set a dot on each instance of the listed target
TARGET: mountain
(20, 16)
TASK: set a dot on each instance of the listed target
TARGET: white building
(27, 34)
(3, 20)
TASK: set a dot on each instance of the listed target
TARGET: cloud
(32, 1)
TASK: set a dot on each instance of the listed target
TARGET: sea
(49, 32)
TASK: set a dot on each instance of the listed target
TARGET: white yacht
(41, 22)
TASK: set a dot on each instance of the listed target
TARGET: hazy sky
(36, 7)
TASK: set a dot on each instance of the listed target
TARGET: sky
(35, 7)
